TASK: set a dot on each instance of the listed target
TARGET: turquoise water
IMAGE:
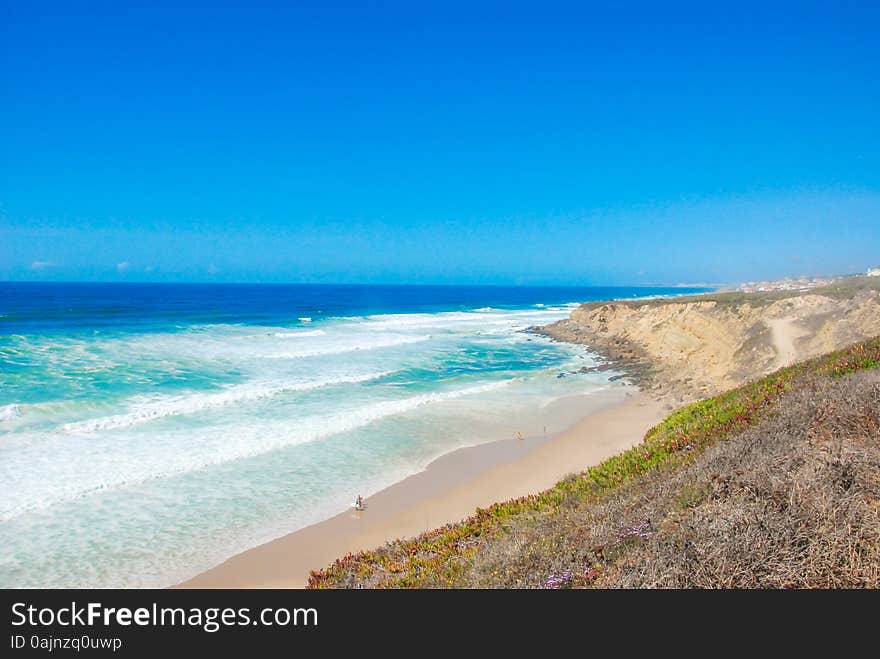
(148, 433)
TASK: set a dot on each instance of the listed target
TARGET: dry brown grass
(793, 502)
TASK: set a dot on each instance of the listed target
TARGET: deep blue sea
(149, 431)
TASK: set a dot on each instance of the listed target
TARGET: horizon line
(301, 283)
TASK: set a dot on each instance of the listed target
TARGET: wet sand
(448, 490)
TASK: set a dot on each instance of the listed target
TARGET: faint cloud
(42, 265)
(123, 266)
(213, 269)
(148, 268)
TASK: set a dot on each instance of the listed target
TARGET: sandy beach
(448, 490)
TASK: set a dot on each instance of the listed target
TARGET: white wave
(427, 321)
(9, 412)
(410, 320)
(297, 335)
(340, 348)
(231, 343)
(453, 320)
(304, 319)
(84, 469)
(166, 406)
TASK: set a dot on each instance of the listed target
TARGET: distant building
(873, 272)
(787, 284)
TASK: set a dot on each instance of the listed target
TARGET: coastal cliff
(690, 347)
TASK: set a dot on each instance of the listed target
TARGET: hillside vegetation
(773, 484)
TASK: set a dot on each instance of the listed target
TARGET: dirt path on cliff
(783, 333)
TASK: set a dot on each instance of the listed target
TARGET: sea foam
(78, 471)
(346, 345)
(166, 406)
(9, 412)
(298, 335)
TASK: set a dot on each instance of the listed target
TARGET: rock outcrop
(685, 348)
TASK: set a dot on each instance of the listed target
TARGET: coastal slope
(690, 347)
(774, 484)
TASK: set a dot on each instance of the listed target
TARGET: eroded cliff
(690, 347)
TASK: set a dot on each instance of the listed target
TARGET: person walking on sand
(519, 435)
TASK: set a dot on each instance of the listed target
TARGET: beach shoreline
(448, 490)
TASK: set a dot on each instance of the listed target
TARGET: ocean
(149, 431)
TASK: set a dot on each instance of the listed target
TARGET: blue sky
(563, 143)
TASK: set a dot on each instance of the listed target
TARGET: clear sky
(438, 142)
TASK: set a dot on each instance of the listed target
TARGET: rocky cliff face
(692, 347)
